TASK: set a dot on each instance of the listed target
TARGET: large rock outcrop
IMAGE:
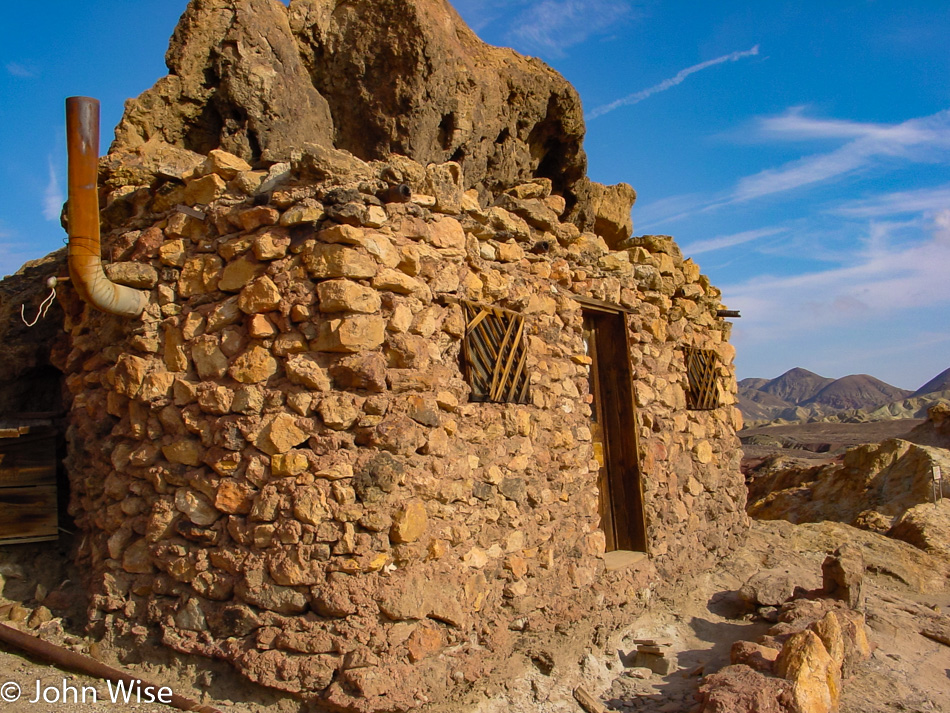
(236, 81)
(373, 78)
(886, 487)
(871, 487)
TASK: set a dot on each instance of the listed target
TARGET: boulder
(775, 586)
(815, 677)
(926, 526)
(872, 486)
(371, 77)
(740, 689)
(235, 82)
(843, 576)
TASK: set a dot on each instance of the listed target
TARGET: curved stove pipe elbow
(85, 264)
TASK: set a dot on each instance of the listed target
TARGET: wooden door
(614, 431)
(28, 508)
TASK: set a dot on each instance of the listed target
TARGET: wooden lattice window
(702, 393)
(494, 354)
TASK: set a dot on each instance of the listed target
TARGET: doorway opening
(614, 430)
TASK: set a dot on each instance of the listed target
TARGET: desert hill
(802, 395)
(941, 382)
(857, 391)
(796, 385)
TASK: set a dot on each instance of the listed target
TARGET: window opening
(702, 393)
(495, 354)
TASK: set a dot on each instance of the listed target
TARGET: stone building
(406, 391)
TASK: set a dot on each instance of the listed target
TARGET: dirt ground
(700, 618)
(808, 444)
(704, 616)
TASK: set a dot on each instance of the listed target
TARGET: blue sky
(799, 151)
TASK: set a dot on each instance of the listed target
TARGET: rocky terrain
(818, 616)
(800, 395)
(718, 633)
(814, 443)
(287, 503)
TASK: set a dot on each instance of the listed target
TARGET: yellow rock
(225, 164)
(204, 190)
(292, 463)
(356, 333)
(199, 275)
(172, 253)
(830, 632)
(261, 295)
(184, 451)
(280, 435)
(238, 273)
(815, 678)
(346, 296)
(703, 452)
(409, 523)
(253, 366)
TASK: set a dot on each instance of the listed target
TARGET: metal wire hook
(44, 305)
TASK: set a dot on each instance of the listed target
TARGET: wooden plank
(588, 702)
(604, 499)
(28, 514)
(28, 460)
(518, 395)
(514, 343)
(620, 430)
(600, 306)
(449, 299)
(623, 518)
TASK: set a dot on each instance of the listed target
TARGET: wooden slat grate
(495, 354)
(703, 392)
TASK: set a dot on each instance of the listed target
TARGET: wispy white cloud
(53, 197)
(923, 200)
(551, 25)
(652, 215)
(480, 14)
(868, 147)
(920, 140)
(901, 268)
(679, 78)
(18, 69)
(727, 241)
(793, 124)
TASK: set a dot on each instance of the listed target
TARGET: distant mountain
(759, 406)
(858, 391)
(796, 385)
(802, 395)
(941, 382)
(753, 383)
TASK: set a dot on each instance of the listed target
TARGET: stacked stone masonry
(279, 465)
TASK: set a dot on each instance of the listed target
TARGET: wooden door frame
(624, 496)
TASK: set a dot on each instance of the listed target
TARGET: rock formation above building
(407, 77)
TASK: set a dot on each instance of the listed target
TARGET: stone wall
(279, 465)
